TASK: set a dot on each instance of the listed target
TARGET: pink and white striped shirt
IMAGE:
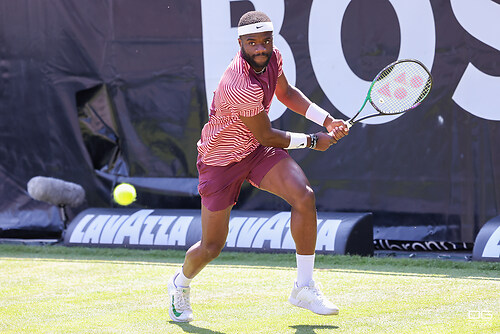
(225, 138)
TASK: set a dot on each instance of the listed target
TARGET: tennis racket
(399, 87)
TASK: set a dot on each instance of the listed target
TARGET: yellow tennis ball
(124, 194)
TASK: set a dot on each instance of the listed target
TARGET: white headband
(255, 28)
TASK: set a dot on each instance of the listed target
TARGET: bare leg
(214, 227)
(287, 180)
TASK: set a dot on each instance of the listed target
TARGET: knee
(304, 200)
(212, 250)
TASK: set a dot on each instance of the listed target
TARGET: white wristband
(297, 140)
(316, 114)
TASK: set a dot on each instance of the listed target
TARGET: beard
(251, 59)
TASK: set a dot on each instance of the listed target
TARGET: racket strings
(400, 87)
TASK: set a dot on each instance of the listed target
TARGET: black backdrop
(94, 89)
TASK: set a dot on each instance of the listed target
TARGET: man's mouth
(261, 56)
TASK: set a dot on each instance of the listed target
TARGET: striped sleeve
(243, 97)
(280, 61)
(249, 102)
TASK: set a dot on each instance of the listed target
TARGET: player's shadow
(309, 329)
(188, 328)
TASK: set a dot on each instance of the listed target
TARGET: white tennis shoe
(179, 307)
(310, 297)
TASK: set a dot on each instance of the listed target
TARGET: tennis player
(237, 144)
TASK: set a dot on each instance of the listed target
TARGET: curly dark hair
(253, 17)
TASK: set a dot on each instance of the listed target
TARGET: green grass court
(53, 289)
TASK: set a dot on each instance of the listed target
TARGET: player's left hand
(336, 128)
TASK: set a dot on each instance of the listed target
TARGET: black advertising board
(251, 231)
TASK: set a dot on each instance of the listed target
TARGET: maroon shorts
(219, 186)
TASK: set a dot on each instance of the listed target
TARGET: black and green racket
(399, 87)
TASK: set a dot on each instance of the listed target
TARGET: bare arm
(291, 97)
(261, 128)
(295, 100)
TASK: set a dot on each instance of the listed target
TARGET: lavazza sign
(182, 228)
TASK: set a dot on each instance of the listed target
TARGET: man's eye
(252, 43)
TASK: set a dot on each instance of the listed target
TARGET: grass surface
(55, 289)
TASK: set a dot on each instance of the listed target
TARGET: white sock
(305, 266)
(182, 281)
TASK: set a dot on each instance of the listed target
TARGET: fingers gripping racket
(399, 87)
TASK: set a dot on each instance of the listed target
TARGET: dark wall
(122, 87)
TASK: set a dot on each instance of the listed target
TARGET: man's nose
(260, 48)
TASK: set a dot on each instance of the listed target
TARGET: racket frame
(353, 120)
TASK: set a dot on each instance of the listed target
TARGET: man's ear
(239, 41)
